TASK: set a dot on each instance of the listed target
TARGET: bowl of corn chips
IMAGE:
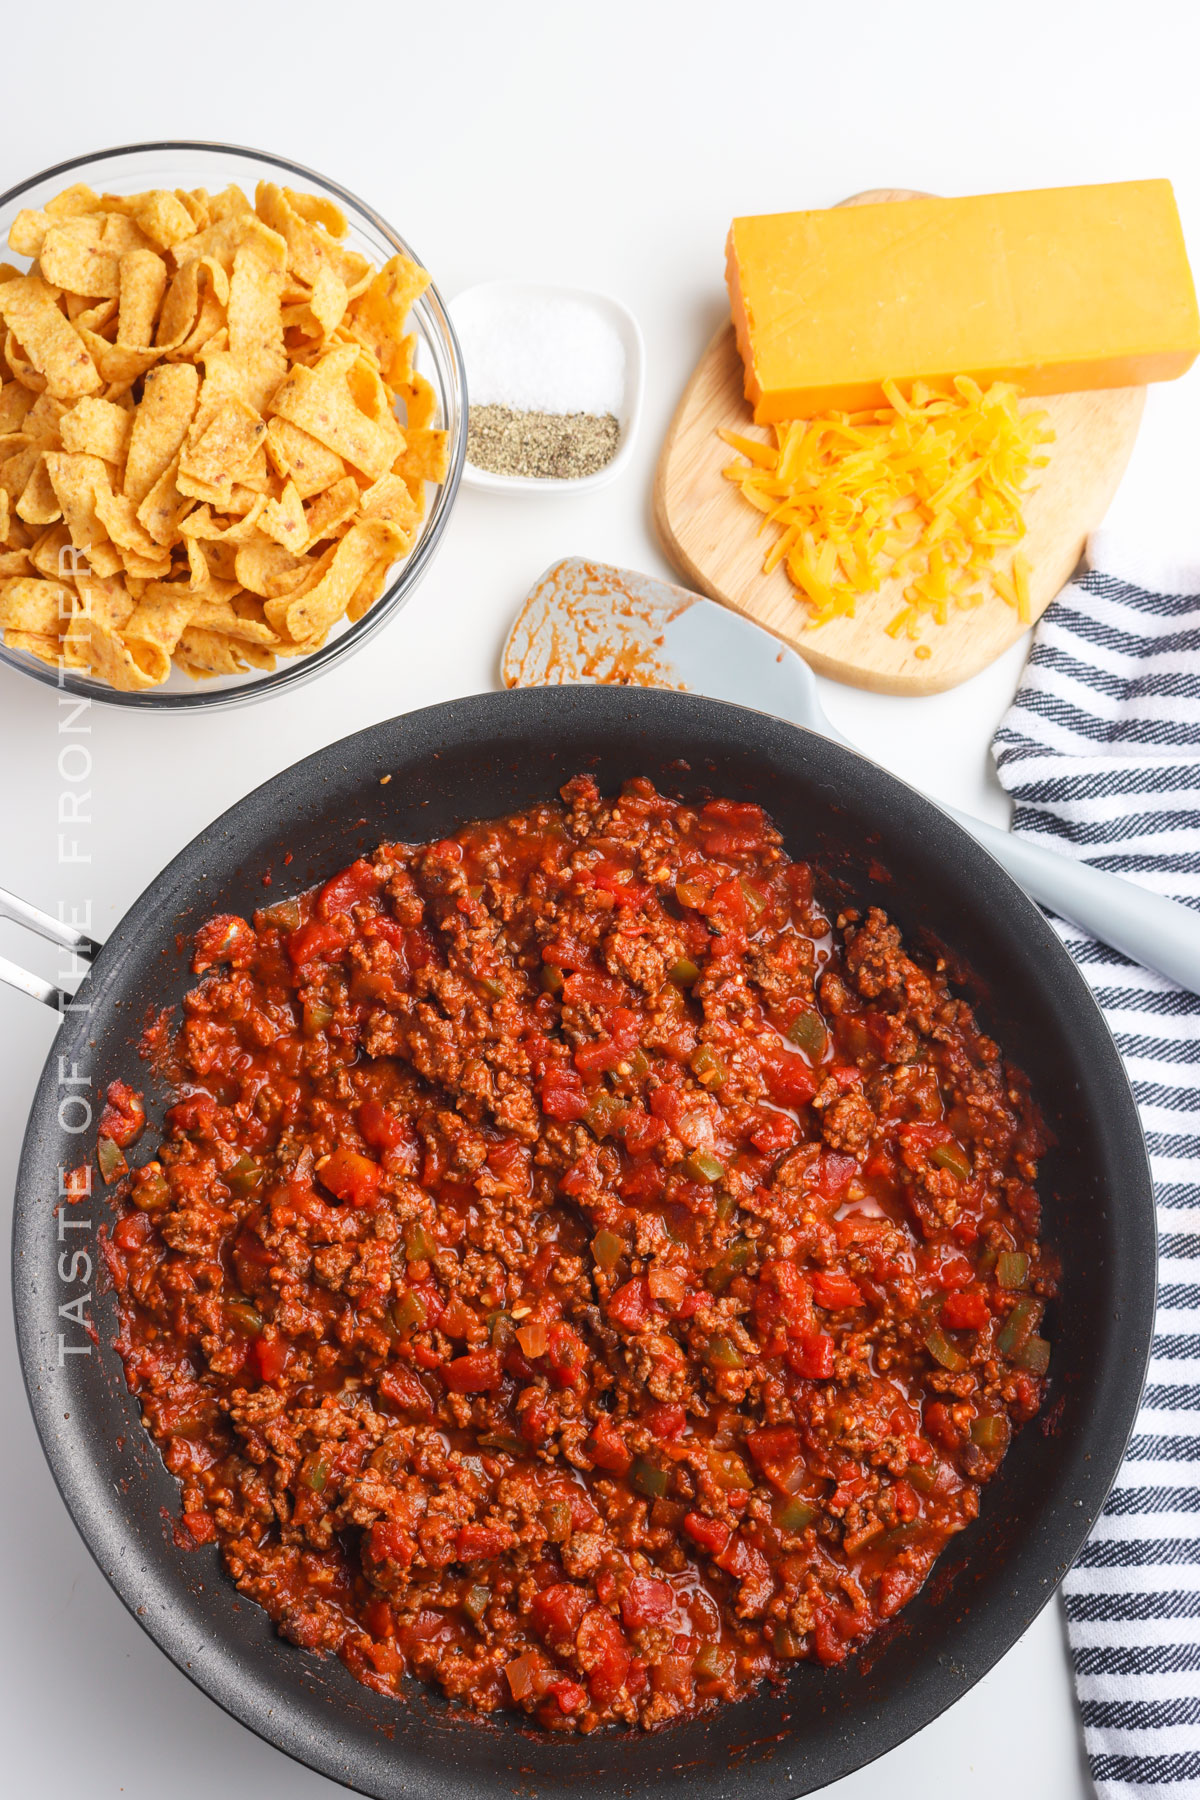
(232, 424)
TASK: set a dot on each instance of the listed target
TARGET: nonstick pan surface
(877, 841)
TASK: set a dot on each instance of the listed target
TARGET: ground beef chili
(575, 1270)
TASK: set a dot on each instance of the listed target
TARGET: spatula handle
(1159, 933)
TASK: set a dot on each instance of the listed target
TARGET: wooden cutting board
(712, 535)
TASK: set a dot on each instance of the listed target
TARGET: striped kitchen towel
(1101, 754)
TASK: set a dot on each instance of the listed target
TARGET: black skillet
(878, 841)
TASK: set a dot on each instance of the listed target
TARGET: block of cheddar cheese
(1055, 289)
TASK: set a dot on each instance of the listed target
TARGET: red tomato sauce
(575, 1270)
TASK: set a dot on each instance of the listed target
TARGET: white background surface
(605, 145)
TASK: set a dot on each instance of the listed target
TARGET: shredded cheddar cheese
(928, 488)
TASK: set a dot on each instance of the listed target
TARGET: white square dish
(474, 305)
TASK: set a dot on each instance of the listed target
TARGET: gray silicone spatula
(586, 621)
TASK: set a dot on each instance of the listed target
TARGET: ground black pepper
(546, 446)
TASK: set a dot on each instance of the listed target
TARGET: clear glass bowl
(133, 167)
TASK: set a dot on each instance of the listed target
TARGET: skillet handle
(68, 937)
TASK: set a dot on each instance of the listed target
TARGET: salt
(549, 353)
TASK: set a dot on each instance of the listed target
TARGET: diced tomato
(556, 1612)
(645, 1602)
(965, 1311)
(379, 1618)
(710, 1534)
(382, 925)
(351, 1177)
(568, 1357)
(670, 1104)
(511, 1163)
(612, 879)
(743, 1560)
(479, 1543)
(430, 1299)
(399, 1387)
(645, 1181)
(799, 878)
(776, 1450)
(789, 1079)
(833, 1173)
(782, 1301)
(735, 831)
(939, 1423)
(356, 883)
(631, 1305)
(665, 1421)
(561, 1093)
(608, 1449)
(598, 1057)
(747, 815)
(535, 1416)
(124, 1116)
(458, 1320)
(830, 1647)
(922, 1136)
(832, 1289)
(315, 942)
(515, 1363)
(420, 947)
(811, 1356)
(952, 1270)
(897, 1585)
(427, 1625)
(641, 1131)
(583, 1514)
(251, 1260)
(1026, 1402)
(388, 1541)
(729, 902)
(567, 953)
(624, 1027)
(592, 989)
(602, 1650)
(727, 840)
(131, 1232)
(773, 1132)
(272, 1356)
(381, 1128)
(199, 1526)
(567, 1695)
(77, 1185)
(668, 1286)
(193, 1116)
(907, 1504)
(920, 1451)
(478, 1373)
